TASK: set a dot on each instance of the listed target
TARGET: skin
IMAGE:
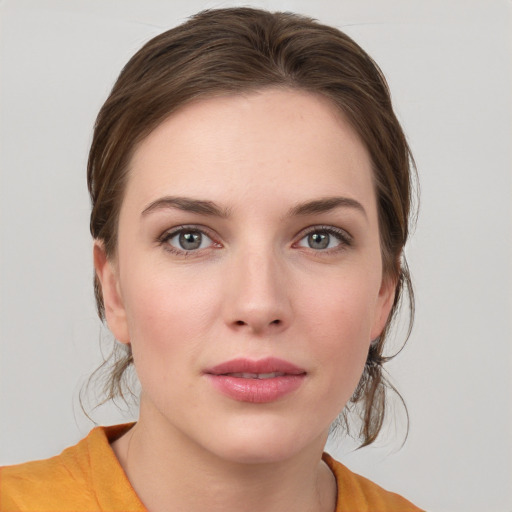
(254, 288)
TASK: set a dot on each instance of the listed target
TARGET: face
(248, 276)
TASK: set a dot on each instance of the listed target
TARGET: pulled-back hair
(239, 50)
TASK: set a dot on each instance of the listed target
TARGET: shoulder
(356, 492)
(73, 480)
(45, 484)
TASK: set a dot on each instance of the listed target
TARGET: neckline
(111, 486)
(113, 489)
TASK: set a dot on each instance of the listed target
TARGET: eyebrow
(188, 205)
(326, 204)
(209, 208)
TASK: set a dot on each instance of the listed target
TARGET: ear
(107, 274)
(384, 304)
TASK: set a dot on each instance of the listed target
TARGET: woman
(250, 191)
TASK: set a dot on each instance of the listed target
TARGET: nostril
(273, 322)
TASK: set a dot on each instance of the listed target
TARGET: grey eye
(189, 240)
(319, 240)
(325, 238)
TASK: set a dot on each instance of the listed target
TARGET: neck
(170, 472)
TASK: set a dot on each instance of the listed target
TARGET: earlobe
(385, 302)
(115, 313)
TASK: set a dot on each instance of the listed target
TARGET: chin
(256, 453)
(264, 442)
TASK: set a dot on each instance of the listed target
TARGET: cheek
(340, 322)
(167, 315)
(168, 319)
(345, 304)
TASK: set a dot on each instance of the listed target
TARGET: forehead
(240, 147)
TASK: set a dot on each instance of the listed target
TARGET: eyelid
(170, 233)
(345, 238)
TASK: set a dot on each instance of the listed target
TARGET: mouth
(267, 368)
(244, 375)
(262, 381)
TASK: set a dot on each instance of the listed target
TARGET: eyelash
(344, 238)
(164, 239)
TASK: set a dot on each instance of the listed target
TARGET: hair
(239, 50)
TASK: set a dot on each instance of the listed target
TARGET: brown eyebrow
(326, 204)
(188, 205)
(209, 208)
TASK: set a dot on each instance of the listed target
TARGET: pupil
(318, 240)
(190, 240)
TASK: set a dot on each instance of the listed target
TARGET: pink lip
(256, 390)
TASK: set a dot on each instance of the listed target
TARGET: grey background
(449, 68)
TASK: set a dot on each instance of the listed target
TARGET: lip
(247, 380)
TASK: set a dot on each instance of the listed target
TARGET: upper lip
(260, 366)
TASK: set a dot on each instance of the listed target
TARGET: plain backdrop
(449, 68)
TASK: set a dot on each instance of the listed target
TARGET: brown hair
(239, 50)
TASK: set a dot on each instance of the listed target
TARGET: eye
(187, 239)
(321, 239)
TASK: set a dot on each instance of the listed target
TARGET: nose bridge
(258, 298)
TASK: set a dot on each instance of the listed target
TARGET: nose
(257, 299)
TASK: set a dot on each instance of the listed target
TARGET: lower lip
(256, 391)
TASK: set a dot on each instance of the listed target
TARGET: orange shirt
(87, 477)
